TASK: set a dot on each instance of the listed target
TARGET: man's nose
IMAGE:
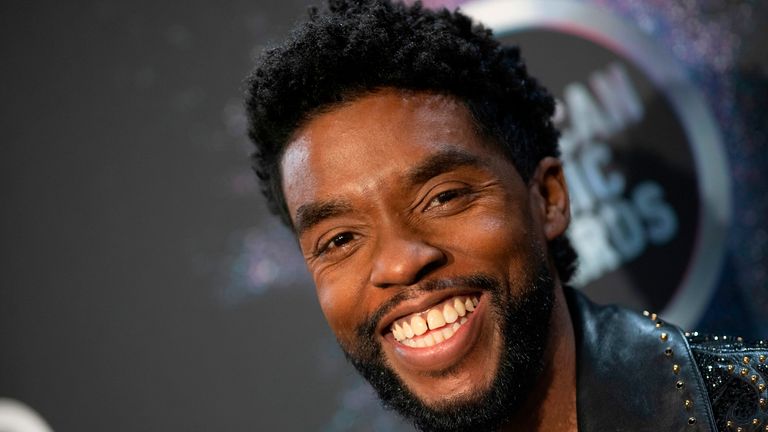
(404, 260)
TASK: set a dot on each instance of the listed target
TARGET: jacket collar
(634, 373)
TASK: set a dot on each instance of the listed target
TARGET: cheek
(341, 302)
(493, 235)
(335, 306)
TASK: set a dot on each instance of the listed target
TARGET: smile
(435, 325)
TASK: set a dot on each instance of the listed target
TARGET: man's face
(426, 247)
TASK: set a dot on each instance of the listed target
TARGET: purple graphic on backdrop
(724, 51)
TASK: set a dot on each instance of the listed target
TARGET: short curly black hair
(351, 48)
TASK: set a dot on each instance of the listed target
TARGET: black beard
(524, 323)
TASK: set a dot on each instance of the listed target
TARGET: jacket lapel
(634, 374)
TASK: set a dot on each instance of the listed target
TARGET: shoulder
(635, 372)
(735, 374)
(662, 376)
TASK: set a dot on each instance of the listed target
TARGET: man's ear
(549, 197)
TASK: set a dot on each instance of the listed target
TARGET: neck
(552, 404)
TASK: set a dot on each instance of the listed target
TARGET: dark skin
(396, 188)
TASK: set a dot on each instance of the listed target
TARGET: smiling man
(416, 161)
(429, 255)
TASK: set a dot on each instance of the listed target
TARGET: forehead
(369, 142)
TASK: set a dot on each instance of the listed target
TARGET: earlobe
(551, 191)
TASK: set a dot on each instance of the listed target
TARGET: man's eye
(336, 241)
(446, 196)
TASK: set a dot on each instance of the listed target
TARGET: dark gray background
(119, 156)
(130, 222)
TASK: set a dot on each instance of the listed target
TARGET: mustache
(479, 281)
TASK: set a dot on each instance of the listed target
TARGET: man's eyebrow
(440, 163)
(309, 215)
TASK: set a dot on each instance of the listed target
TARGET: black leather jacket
(638, 373)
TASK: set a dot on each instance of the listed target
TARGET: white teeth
(450, 314)
(435, 319)
(469, 305)
(459, 306)
(428, 340)
(407, 330)
(418, 325)
(398, 332)
(453, 312)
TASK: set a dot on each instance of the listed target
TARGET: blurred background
(145, 287)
